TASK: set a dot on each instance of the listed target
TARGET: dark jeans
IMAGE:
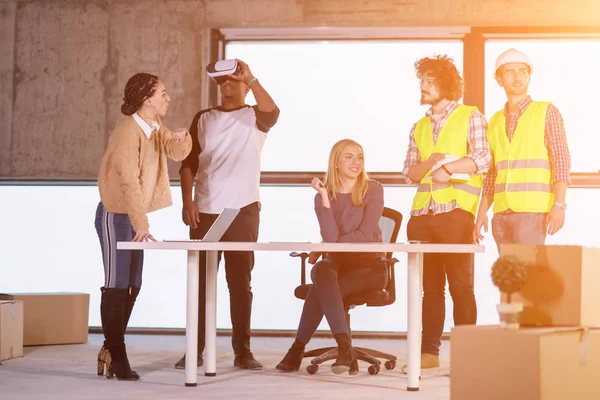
(455, 226)
(238, 268)
(332, 281)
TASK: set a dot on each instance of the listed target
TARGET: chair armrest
(303, 257)
(296, 254)
(391, 289)
(389, 261)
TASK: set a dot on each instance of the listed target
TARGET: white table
(414, 289)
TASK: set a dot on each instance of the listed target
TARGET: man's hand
(180, 134)
(244, 74)
(435, 157)
(440, 176)
(190, 214)
(313, 256)
(555, 220)
(482, 221)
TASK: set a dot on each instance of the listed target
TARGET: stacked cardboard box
(555, 354)
(11, 329)
(53, 318)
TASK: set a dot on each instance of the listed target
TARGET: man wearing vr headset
(225, 164)
(449, 140)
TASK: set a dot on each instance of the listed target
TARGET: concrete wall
(70, 64)
(64, 63)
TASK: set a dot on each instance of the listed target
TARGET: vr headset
(219, 71)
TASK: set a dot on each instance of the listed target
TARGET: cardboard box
(493, 363)
(562, 285)
(11, 329)
(54, 318)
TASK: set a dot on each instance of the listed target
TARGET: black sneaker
(247, 361)
(181, 363)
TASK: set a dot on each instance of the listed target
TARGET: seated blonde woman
(348, 209)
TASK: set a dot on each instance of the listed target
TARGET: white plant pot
(509, 314)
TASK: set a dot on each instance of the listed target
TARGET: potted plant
(509, 274)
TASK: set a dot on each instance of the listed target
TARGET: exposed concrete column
(7, 65)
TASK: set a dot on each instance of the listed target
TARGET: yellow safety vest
(523, 183)
(452, 139)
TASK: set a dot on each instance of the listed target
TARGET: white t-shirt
(227, 156)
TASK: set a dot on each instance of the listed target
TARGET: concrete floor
(69, 372)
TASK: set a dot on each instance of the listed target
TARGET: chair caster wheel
(390, 365)
(373, 369)
(312, 369)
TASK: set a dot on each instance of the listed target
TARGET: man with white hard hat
(528, 180)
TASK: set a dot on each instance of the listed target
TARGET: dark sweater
(347, 223)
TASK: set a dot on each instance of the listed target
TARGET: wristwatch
(561, 205)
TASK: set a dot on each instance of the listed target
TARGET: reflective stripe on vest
(452, 139)
(514, 164)
(522, 187)
(523, 181)
(428, 187)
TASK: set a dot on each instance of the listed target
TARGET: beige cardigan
(133, 176)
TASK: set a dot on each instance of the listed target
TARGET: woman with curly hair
(450, 139)
(133, 181)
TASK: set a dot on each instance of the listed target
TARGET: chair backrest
(389, 223)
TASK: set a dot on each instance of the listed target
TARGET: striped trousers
(122, 268)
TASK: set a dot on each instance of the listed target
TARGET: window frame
(473, 38)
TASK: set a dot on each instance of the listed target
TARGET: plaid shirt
(555, 140)
(478, 150)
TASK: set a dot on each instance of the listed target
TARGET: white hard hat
(512, 56)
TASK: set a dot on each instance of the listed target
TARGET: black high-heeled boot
(131, 297)
(102, 354)
(112, 311)
(346, 360)
(293, 359)
(118, 364)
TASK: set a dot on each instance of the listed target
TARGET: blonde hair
(333, 179)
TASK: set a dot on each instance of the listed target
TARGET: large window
(565, 73)
(330, 90)
(69, 258)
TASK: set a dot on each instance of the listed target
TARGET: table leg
(191, 320)
(415, 294)
(210, 352)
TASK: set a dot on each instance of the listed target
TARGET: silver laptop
(218, 228)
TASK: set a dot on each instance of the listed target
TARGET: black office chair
(390, 226)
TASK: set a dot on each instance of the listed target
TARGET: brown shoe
(181, 363)
(247, 361)
(427, 361)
